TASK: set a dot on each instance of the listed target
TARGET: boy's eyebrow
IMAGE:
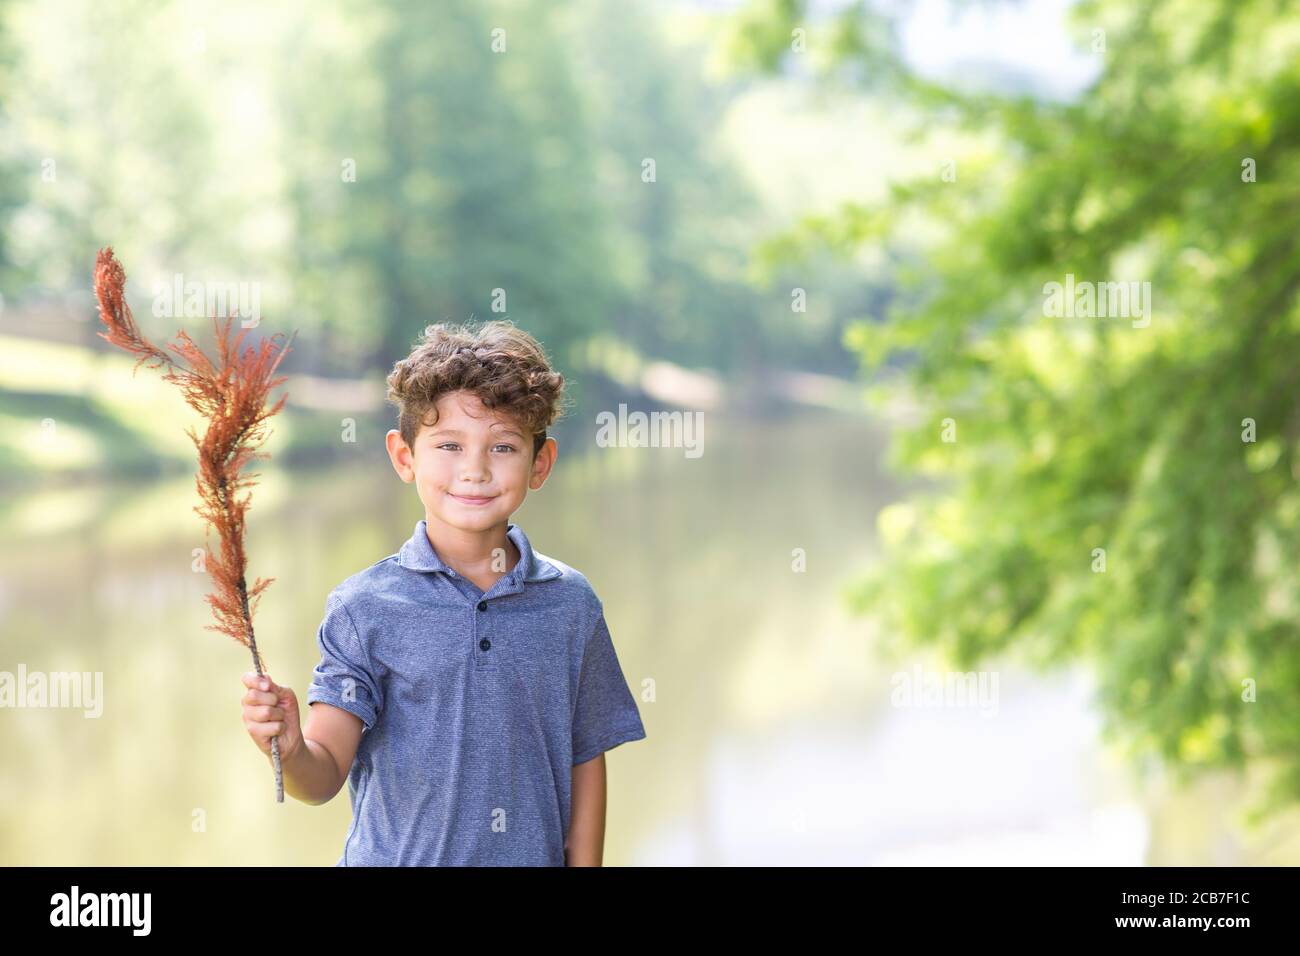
(505, 430)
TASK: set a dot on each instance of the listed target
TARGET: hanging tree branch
(230, 395)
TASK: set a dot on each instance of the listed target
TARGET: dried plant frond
(231, 396)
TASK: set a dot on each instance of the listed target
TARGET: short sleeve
(605, 714)
(344, 677)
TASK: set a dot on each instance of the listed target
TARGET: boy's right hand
(271, 712)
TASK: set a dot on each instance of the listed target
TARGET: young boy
(468, 686)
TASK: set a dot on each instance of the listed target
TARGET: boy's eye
(454, 446)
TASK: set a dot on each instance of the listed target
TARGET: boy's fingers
(253, 682)
(257, 713)
(261, 722)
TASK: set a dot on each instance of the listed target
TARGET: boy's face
(473, 469)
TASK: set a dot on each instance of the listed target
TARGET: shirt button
(485, 644)
(482, 605)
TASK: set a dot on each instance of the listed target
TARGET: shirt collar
(418, 554)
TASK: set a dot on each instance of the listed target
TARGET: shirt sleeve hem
(609, 742)
(316, 693)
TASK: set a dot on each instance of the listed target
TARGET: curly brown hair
(501, 364)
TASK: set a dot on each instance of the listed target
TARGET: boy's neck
(471, 552)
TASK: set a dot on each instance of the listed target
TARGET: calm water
(771, 734)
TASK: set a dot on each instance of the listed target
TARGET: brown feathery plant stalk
(231, 396)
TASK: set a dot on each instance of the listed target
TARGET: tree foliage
(1116, 491)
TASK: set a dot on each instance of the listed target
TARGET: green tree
(114, 147)
(12, 185)
(470, 163)
(680, 248)
(1168, 448)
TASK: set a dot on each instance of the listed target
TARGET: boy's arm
(585, 844)
(317, 770)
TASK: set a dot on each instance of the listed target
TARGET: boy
(468, 686)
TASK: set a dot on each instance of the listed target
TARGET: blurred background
(954, 580)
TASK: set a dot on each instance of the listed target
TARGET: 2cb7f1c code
(1195, 897)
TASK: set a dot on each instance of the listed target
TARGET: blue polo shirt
(476, 706)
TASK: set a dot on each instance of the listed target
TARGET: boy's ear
(400, 454)
(543, 462)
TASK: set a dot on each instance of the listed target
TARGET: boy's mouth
(474, 499)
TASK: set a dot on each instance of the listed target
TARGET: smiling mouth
(474, 499)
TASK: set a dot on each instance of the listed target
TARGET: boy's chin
(467, 519)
